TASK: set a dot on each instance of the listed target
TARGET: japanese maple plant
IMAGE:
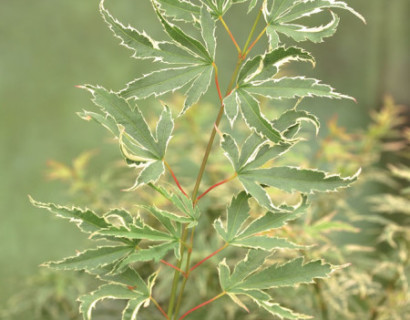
(127, 241)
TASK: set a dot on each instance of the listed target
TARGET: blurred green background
(49, 46)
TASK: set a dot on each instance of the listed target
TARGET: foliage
(131, 240)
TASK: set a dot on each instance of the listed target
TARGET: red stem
(208, 257)
(217, 82)
(159, 308)
(202, 304)
(215, 185)
(175, 178)
(230, 35)
(173, 267)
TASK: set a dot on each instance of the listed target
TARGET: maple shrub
(133, 243)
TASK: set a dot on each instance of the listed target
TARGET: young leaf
(294, 179)
(143, 46)
(288, 88)
(86, 220)
(107, 291)
(285, 275)
(92, 259)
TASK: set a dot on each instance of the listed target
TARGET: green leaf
(249, 68)
(162, 81)
(267, 153)
(255, 119)
(292, 117)
(133, 306)
(208, 27)
(279, 311)
(283, 12)
(252, 143)
(150, 174)
(86, 220)
(198, 87)
(92, 259)
(134, 154)
(105, 120)
(273, 220)
(289, 88)
(119, 217)
(307, 8)
(252, 5)
(155, 253)
(257, 192)
(169, 215)
(143, 46)
(129, 278)
(237, 214)
(187, 42)
(285, 275)
(180, 201)
(165, 126)
(231, 103)
(265, 243)
(130, 119)
(230, 147)
(180, 10)
(294, 179)
(272, 61)
(107, 291)
(133, 232)
(166, 219)
(253, 260)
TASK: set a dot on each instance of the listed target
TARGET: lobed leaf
(283, 12)
(108, 291)
(86, 220)
(92, 259)
(133, 306)
(180, 10)
(266, 243)
(130, 119)
(133, 232)
(285, 275)
(288, 88)
(292, 117)
(150, 174)
(231, 103)
(294, 179)
(143, 46)
(255, 119)
(155, 253)
(162, 81)
(164, 129)
(185, 41)
(230, 147)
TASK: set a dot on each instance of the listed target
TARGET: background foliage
(50, 46)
